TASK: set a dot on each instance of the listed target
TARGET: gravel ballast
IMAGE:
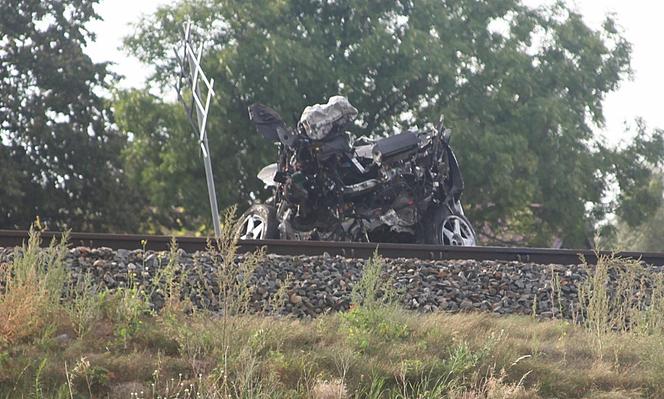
(320, 284)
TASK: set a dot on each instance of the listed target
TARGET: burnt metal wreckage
(404, 188)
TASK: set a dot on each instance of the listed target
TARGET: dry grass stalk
(334, 389)
(34, 284)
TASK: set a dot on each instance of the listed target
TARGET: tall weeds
(622, 295)
(33, 285)
(375, 350)
(84, 304)
(200, 335)
(235, 292)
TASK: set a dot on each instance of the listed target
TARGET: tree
(59, 154)
(165, 165)
(640, 214)
(521, 87)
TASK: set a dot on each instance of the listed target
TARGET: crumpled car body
(403, 188)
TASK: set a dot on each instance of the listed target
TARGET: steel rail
(11, 238)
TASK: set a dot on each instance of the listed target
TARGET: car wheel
(259, 222)
(450, 227)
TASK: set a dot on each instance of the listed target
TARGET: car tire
(449, 226)
(259, 222)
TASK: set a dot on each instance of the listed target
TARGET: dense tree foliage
(639, 220)
(164, 165)
(522, 88)
(59, 157)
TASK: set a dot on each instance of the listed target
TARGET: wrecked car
(403, 188)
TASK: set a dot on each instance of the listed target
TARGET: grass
(63, 341)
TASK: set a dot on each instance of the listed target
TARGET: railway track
(11, 238)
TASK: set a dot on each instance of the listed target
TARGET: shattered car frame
(402, 188)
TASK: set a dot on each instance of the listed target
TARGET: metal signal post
(192, 74)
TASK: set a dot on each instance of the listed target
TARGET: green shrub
(84, 304)
(375, 314)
